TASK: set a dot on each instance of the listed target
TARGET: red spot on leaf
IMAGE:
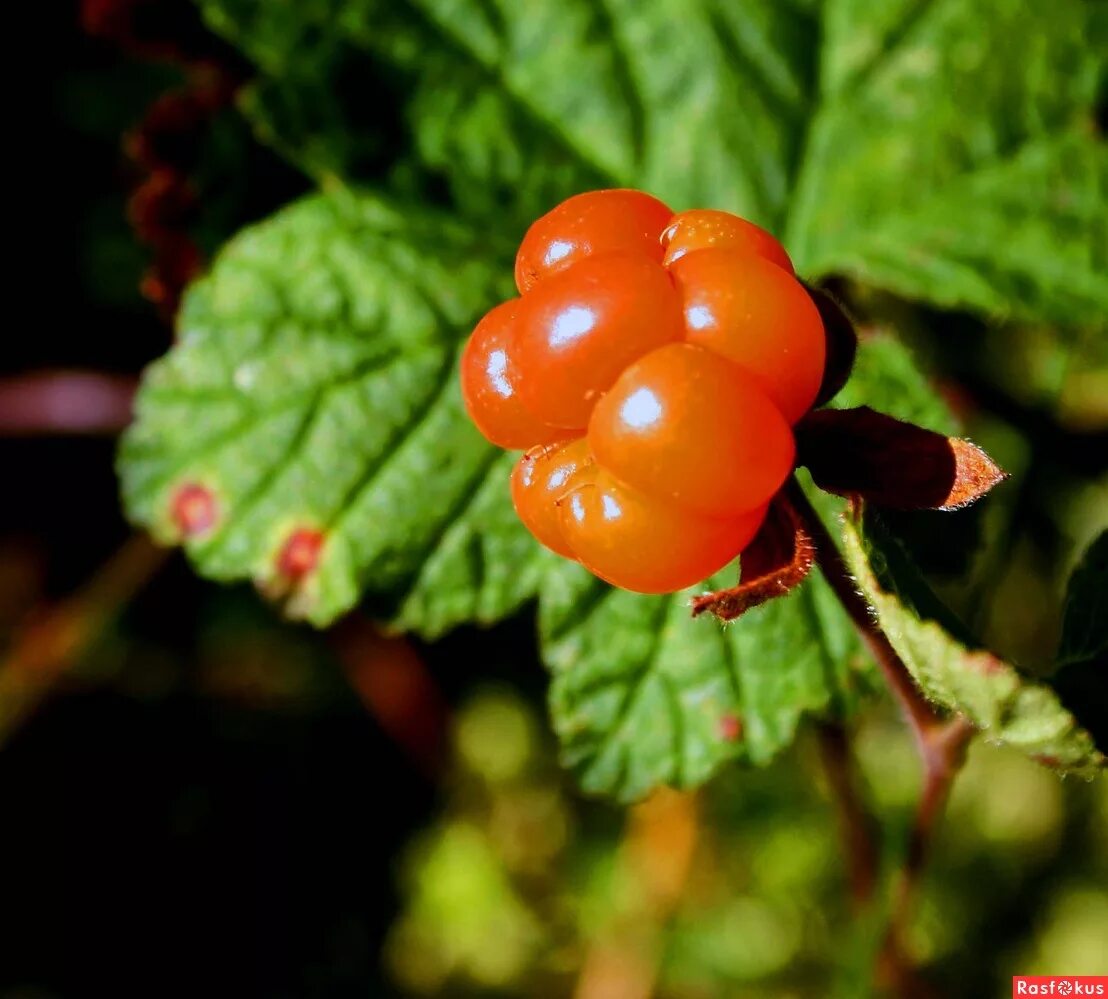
(730, 728)
(300, 554)
(194, 510)
(1047, 760)
(984, 662)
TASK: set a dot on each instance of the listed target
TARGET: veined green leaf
(1008, 707)
(944, 150)
(313, 387)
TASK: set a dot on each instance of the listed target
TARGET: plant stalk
(941, 742)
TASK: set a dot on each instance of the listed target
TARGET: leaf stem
(918, 711)
(941, 742)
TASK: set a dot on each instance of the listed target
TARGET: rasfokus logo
(1060, 985)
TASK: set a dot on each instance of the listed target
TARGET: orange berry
(539, 480)
(488, 384)
(588, 224)
(647, 545)
(580, 328)
(752, 312)
(704, 228)
(687, 426)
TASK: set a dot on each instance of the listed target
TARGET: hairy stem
(941, 742)
(917, 710)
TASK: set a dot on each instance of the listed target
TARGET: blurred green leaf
(519, 105)
(950, 668)
(1081, 679)
(945, 151)
(1085, 622)
(887, 377)
(953, 155)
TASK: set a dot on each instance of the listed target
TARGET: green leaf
(939, 149)
(888, 378)
(956, 161)
(1085, 618)
(643, 694)
(943, 150)
(313, 386)
(1081, 677)
(950, 669)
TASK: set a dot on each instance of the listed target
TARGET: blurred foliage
(519, 883)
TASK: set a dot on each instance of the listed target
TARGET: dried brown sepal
(860, 452)
(778, 558)
(842, 343)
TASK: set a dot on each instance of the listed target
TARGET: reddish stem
(53, 641)
(921, 716)
(65, 402)
(396, 688)
(941, 742)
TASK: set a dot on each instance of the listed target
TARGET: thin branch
(65, 402)
(51, 643)
(944, 755)
(397, 689)
(941, 743)
(917, 709)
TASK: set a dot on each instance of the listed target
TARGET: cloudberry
(653, 366)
